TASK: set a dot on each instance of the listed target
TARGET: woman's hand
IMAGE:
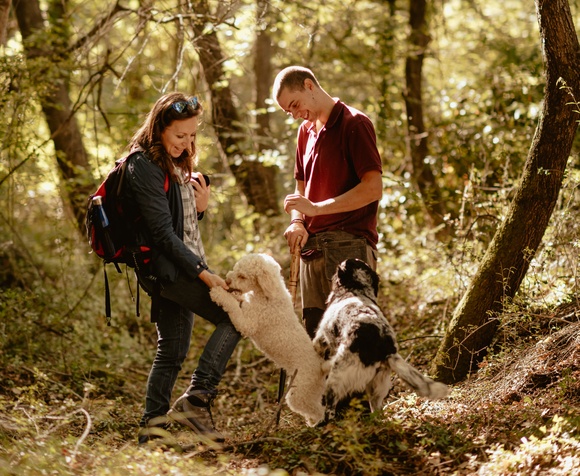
(202, 192)
(212, 280)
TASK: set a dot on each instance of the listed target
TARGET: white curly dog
(261, 309)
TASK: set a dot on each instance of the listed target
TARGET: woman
(176, 274)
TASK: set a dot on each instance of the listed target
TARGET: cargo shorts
(321, 255)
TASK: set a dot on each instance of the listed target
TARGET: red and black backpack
(110, 230)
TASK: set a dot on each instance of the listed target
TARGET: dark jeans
(177, 305)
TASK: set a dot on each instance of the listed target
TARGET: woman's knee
(170, 354)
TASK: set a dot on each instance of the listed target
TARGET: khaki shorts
(321, 255)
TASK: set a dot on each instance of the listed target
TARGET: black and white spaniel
(359, 345)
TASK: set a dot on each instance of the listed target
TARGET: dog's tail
(423, 386)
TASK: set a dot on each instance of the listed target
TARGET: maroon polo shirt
(332, 162)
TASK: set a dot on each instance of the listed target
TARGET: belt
(317, 241)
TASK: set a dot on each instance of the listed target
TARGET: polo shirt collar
(334, 115)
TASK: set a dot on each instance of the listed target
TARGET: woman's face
(179, 135)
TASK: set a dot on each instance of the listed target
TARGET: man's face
(300, 104)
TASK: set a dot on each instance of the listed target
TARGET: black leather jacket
(160, 225)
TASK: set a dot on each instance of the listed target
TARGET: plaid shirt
(191, 234)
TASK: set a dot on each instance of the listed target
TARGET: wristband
(297, 220)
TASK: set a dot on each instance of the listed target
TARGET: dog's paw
(224, 299)
(218, 294)
(236, 293)
(313, 422)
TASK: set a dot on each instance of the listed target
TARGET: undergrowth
(495, 423)
(72, 388)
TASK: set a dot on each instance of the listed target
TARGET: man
(338, 185)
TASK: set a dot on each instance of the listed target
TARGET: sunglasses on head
(180, 106)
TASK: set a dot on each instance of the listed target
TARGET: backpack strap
(137, 298)
(107, 296)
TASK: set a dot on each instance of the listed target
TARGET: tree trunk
(417, 140)
(506, 262)
(386, 45)
(263, 73)
(256, 181)
(74, 169)
(4, 15)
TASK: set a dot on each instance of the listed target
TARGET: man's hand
(296, 236)
(301, 204)
(370, 189)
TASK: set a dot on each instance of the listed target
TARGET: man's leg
(312, 317)
(314, 288)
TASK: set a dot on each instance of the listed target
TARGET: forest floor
(519, 414)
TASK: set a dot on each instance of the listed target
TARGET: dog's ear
(376, 282)
(340, 275)
(346, 276)
(373, 276)
(265, 273)
(268, 285)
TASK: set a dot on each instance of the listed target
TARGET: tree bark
(386, 41)
(74, 168)
(256, 181)
(417, 141)
(506, 262)
(4, 15)
(263, 73)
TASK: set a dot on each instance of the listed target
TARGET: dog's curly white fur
(261, 309)
(359, 344)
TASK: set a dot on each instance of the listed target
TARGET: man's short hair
(292, 78)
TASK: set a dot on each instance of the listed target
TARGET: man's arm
(296, 234)
(299, 190)
(370, 189)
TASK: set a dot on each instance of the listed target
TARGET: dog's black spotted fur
(371, 354)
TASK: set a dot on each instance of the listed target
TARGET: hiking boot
(156, 428)
(194, 411)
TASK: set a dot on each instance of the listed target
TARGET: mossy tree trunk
(506, 262)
